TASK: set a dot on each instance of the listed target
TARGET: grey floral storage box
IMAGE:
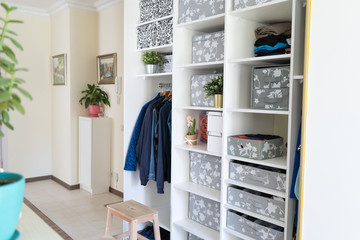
(197, 94)
(190, 10)
(255, 146)
(208, 47)
(204, 211)
(261, 203)
(254, 228)
(194, 237)
(270, 87)
(205, 170)
(261, 176)
(239, 4)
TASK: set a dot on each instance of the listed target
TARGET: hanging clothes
(143, 148)
(130, 160)
(163, 169)
(150, 144)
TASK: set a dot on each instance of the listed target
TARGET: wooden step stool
(134, 213)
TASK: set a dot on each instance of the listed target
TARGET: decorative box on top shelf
(194, 10)
(151, 10)
(208, 47)
(204, 211)
(252, 227)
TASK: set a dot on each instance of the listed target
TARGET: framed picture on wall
(106, 68)
(59, 69)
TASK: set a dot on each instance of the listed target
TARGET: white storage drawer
(214, 143)
(215, 122)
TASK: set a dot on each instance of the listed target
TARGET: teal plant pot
(11, 199)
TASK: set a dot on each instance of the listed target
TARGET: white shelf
(155, 20)
(272, 12)
(200, 190)
(279, 162)
(256, 188)
(276, 59)
(259, 111)
(255, 215)
(155, 75)
(208, 65)
(200, 148)
(237, 234)
(209, 24)
(161, 49)
(164, 216)
(199, 108)
(198, 229)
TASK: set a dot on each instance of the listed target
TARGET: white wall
(29, 146)
(83, 50)
(61, 104)
(111, 40)
(332, 162)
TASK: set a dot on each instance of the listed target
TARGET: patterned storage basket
(190, 10)
(204, 211)
(261, 176)
(197, 94)
(255, 146)
(208, 47)
(270, 87)
(205, 170)
(239, 4)
(253, 227)
(155, 34)
(261, 203)
(193, 237)
(154, 9)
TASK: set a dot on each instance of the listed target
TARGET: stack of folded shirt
(272, 39)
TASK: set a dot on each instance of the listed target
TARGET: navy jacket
(130, 160)
(143, 148)
(163, 170)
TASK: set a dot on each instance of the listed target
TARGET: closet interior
(192, 208)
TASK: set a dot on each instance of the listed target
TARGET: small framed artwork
(59, 69)
(106, 68)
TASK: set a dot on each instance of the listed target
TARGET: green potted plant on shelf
(11, 184)
(93, 97)
(191, 135)
(151, 59)
(215, 88)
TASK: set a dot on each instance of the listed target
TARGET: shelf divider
(279, 162)
(200, 190)
(256, 188)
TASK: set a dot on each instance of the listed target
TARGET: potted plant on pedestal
(11, 184)
(93, 97)
(151, 59)
(215, 88)
(191, 135)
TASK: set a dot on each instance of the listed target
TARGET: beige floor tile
(76, 212)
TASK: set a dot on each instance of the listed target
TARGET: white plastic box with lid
(214, 129)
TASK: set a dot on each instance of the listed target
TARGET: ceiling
(48, 6)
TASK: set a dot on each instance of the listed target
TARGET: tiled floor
(80, 215)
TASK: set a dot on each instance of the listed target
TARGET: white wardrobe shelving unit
(238, 117)
(139, 88)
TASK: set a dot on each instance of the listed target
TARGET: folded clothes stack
(272, 39)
